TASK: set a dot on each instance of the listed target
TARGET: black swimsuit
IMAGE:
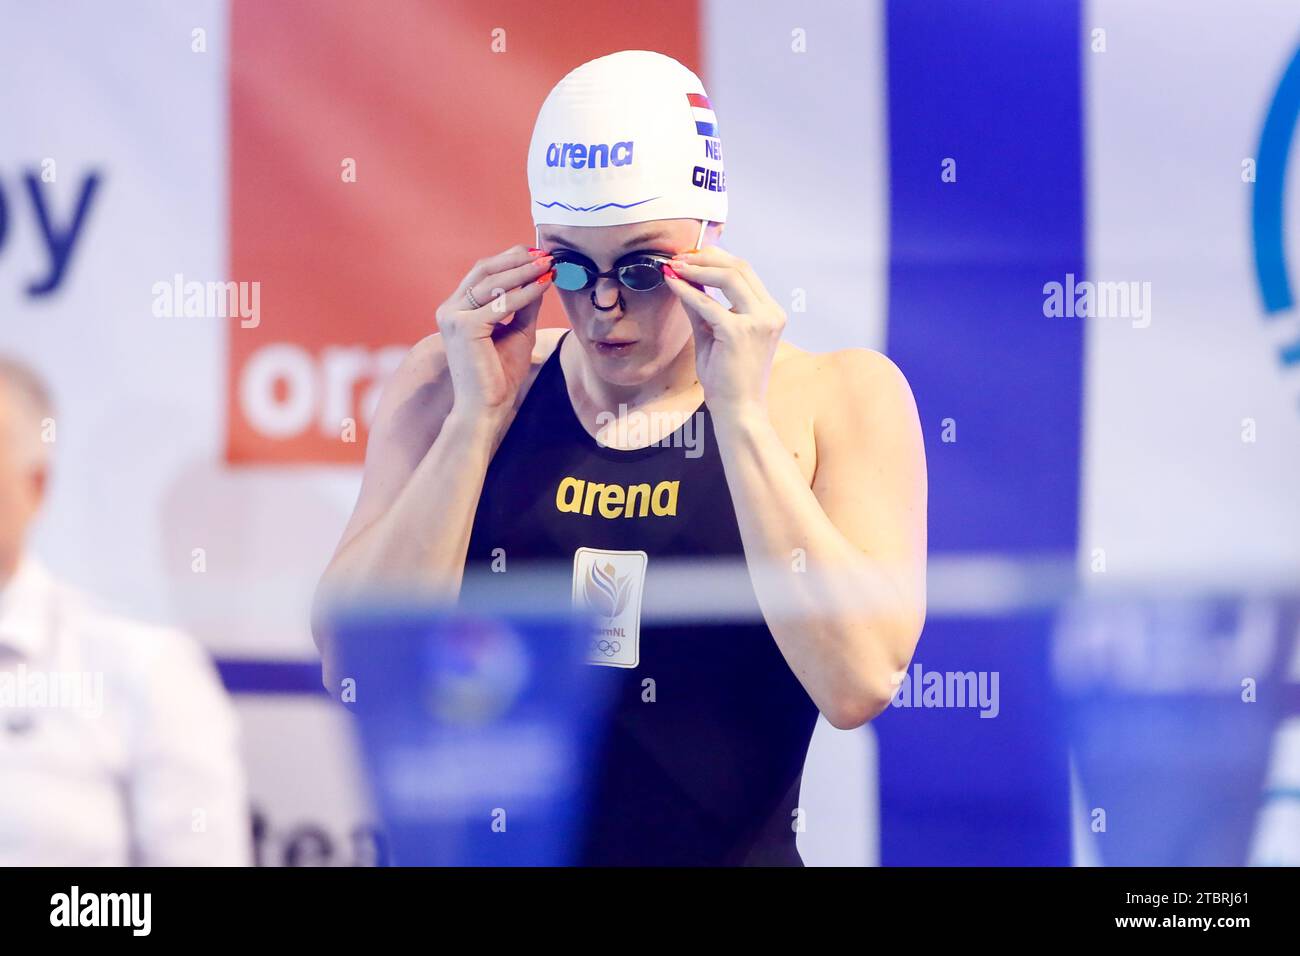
(707, 773)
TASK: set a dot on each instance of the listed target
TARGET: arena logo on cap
(597, 155)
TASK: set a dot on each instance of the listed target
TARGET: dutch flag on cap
(706, 124)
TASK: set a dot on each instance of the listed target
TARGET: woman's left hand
(733, 347)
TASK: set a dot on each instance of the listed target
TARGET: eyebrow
(642, 238)
(639, 239)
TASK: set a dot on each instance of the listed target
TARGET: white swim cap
(625, 138)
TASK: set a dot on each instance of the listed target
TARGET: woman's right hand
(489, 349)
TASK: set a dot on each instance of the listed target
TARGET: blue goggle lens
(570, 276)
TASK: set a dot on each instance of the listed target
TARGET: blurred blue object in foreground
(477, 730)
(1173, 704)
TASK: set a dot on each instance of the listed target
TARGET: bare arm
(859, 590)
(438, 423)
(424, 470)
(838, 568)
(423, 475)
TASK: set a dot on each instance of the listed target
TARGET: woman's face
(628, 336)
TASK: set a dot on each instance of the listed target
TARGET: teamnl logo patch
(608, 585)
(706, 127)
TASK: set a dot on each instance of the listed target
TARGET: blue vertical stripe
(993, 93)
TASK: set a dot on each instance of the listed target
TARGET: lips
(614, 347)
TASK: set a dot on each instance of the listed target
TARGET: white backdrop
(1174, 106)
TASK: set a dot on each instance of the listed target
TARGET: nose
(600, 293)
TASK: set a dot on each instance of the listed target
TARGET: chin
(621, 371)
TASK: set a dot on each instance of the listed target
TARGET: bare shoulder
(844, 385)
(422, 370)
(414, 399)
(414, 404)
(422, 383)
(547, 340)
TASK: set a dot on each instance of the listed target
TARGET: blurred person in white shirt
(118, 744)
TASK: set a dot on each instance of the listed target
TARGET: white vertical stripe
(804, 145)
(1169, 487)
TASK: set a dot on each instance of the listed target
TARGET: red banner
(376, 151)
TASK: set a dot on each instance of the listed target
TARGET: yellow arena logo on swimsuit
(577, 496)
